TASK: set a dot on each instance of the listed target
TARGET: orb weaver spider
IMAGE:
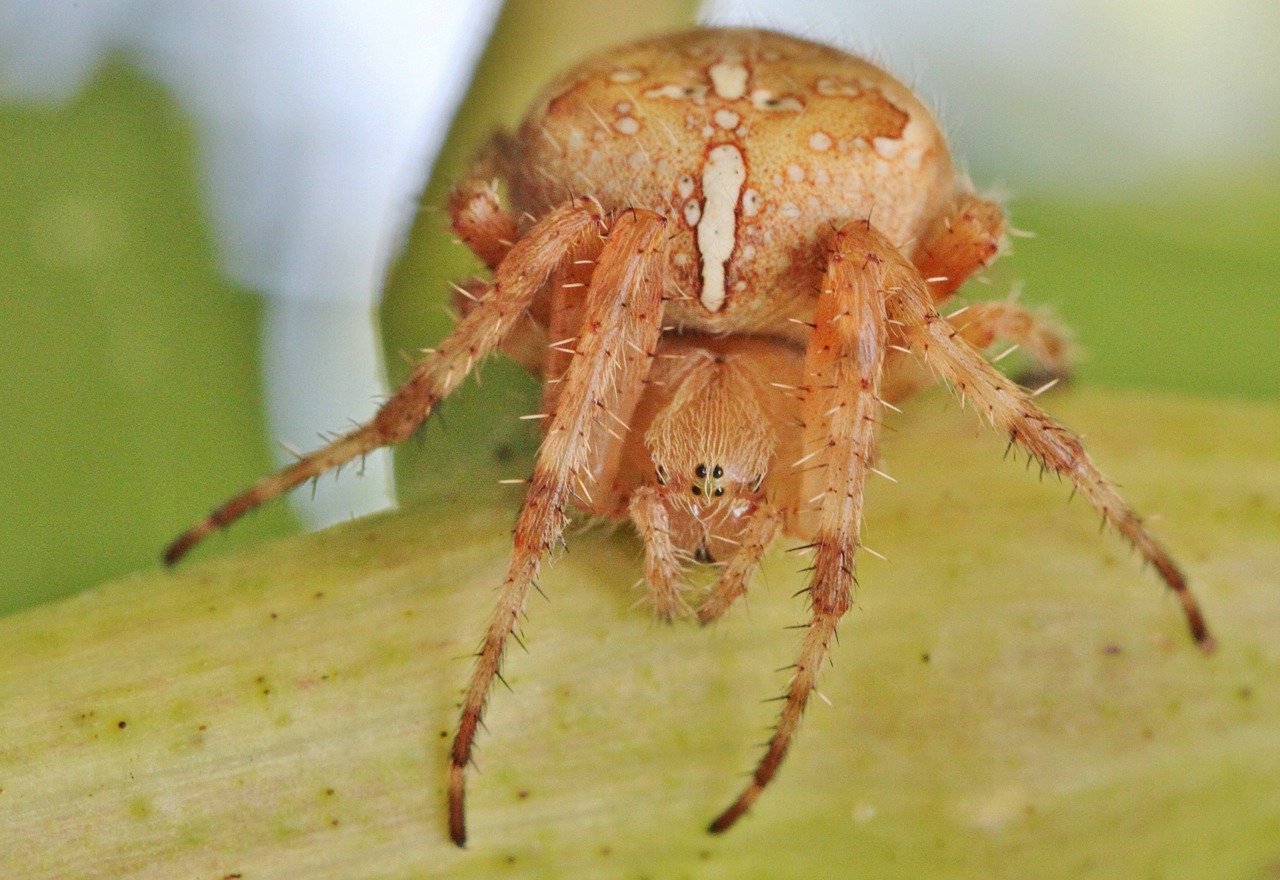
(724, 252)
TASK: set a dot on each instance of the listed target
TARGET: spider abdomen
(756, 144)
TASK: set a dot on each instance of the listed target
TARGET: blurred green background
(131, 366)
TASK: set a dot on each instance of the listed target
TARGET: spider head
(711, 444)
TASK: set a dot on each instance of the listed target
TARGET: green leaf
(1012, 695)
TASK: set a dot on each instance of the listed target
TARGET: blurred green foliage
(131, 386)
(1168, 288)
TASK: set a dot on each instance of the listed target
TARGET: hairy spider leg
(982, 325)
(968, 236)
(519, 278)
(843, 365)
(1010, 408)
(613, 355)
(480, 222)
(567, 302)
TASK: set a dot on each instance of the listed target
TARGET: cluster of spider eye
(712, 309)
(701, 473)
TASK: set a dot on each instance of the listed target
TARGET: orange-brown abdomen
(756, 144)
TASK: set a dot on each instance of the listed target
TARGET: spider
(723, 251)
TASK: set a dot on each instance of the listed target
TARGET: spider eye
(697, 490)
(718, 492)
(662, 475)
(700, 471)
(717, 472)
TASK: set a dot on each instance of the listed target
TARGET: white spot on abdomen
(819, 141)
(764, 99)
(726, 119)
(722, 178)
(887, 148)
(729, 80)
(677, 92)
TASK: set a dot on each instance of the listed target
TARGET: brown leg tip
(726, 820)
(458, 830)
(457, 805)
(1200, 631)
(178, 549)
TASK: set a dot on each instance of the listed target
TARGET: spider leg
(502, 305)
(843, 366)
(614, 352)
(1011, 409)
(542, 340)
(761, 528)
(475, 211)
(663, 563)
(489, 230)
(480, 222)
(965, 238)
(981, 325)
(567, 298)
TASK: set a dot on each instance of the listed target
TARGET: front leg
(843, 366)
(498, 309)
(619, 335)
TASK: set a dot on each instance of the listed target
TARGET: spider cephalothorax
(723, 254)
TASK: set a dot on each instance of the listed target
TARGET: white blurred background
(318, 122)
(1086, 94)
